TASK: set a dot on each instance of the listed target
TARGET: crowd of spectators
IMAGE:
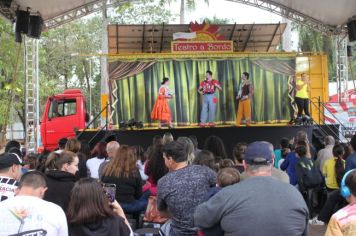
(258, 190)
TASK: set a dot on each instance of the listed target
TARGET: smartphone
(110, 191)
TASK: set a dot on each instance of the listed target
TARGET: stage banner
(270, 103)
(341, 113)
(201, 46)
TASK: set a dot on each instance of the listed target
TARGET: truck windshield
(61, 108)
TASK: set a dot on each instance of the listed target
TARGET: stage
(229, 134)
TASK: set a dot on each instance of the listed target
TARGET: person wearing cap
(10, 172)
(207, 89)
(256, 203)
(161, 110)
(28, 214)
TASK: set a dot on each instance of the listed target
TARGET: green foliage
(219, 21)
(147, 11)
(353, 62)
(11, 73)
(313, 41)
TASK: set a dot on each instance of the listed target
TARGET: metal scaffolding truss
(82, 11)
(293, 15)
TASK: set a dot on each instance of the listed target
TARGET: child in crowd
(226, 177)
(278, 153)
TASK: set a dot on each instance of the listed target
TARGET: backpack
(311, 176)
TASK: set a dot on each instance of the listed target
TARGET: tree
(313, 41)
(218, 21)
(147, 11)
(11, 76)
(184, 5)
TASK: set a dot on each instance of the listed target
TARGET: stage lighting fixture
(131, 123)
(6, 3)
(139, 125)
(122, 125)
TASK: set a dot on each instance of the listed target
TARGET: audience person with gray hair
(258, 197)
(325, 153)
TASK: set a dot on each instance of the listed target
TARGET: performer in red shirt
(161, 110)
(207, 89)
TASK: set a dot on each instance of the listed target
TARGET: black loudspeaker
(351, 28)
(22, 20)
(18, 37)
(6, 3)
(349, 51)
(35, 27)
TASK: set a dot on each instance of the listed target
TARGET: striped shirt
(343, 222)
(7, 187)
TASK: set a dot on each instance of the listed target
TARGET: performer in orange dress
(161, 110)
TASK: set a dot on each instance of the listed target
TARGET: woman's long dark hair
(157, 168)
(99, 150)
(216, 146)
(88, 203)
(338, 152)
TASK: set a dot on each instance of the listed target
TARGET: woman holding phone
(123, 172)
(91, 213)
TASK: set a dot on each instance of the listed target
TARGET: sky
(236, 12)
(239, 13)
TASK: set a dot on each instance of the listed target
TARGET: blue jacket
(351, 162)
(289, 166)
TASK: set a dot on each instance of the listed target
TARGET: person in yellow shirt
(302, 96)
(333, 169)
(343, 222)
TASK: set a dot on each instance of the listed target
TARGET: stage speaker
(35, 26)
(18, 37)
(349, 51)
(351, 28)
(6, 3)
(22, 20)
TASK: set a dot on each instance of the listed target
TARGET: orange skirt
(161, 110)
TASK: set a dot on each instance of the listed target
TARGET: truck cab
(64, 114)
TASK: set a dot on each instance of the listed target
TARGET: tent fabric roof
(331, 12)
(328, 12)
(51, 8)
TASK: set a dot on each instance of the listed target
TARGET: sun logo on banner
(205, 32)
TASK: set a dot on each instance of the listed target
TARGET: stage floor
(229, 134)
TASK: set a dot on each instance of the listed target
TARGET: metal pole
(38, 136)
(90, 78)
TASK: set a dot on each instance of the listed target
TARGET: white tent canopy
(331, 14)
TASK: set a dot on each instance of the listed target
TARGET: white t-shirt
(93, 166)
(35, 214)
(7, 188)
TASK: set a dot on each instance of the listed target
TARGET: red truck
(63, 115)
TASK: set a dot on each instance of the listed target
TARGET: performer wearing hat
(161, 110)
(207, 88)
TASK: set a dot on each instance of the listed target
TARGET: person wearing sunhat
(10, 173)
(161, 110)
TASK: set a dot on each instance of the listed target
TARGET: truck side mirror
(87, 117)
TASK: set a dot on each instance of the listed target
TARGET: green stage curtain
(138, 93)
